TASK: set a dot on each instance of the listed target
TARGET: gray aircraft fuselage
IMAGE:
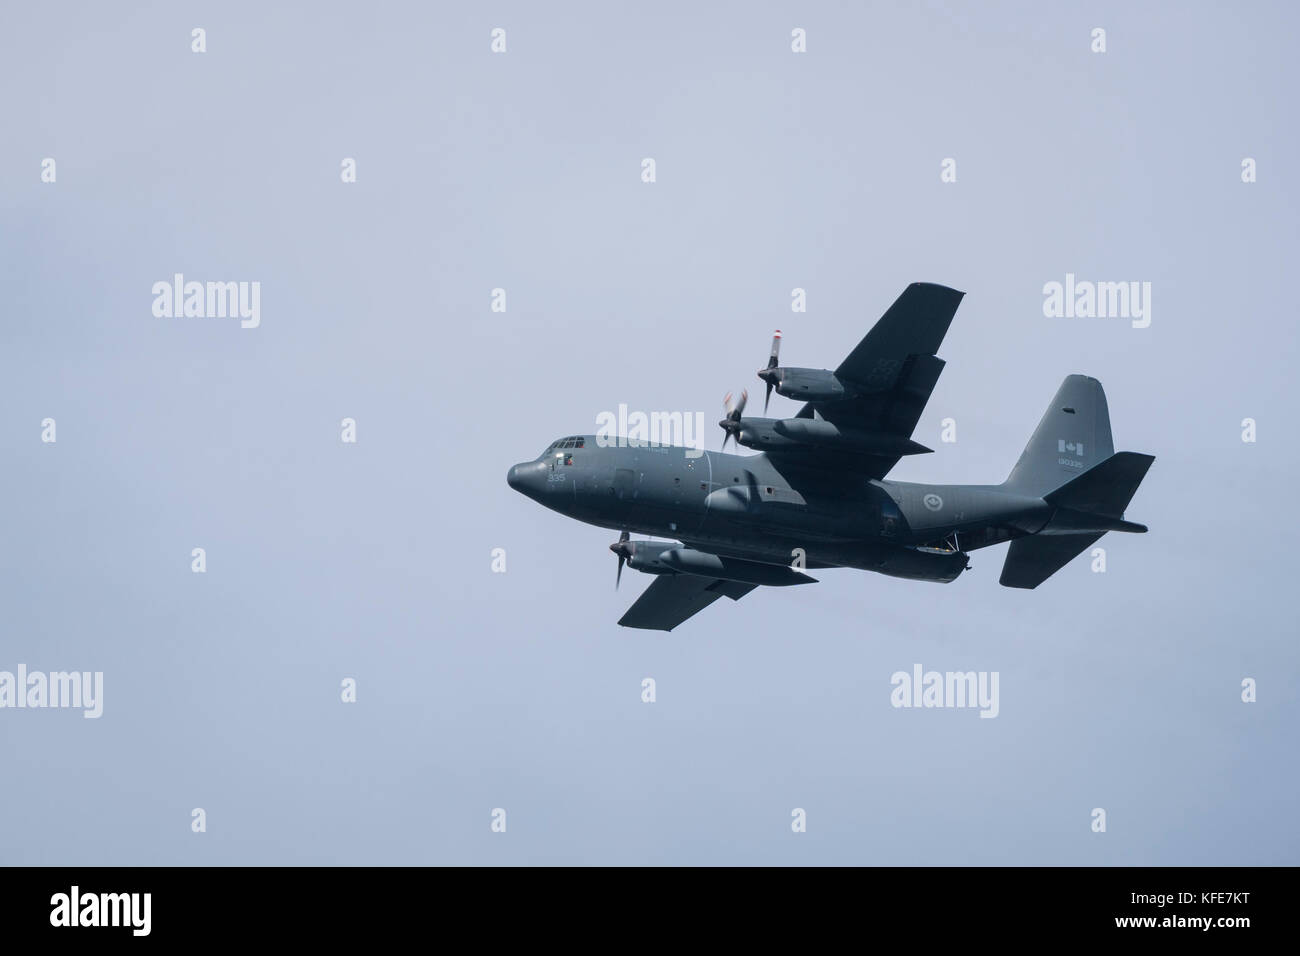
(817, 494)
(741, 506)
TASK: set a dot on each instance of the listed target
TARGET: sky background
(521, 171)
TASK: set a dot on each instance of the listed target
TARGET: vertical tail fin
(1070, 463)
(1072, 436)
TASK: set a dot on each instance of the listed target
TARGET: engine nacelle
(808, 384)
(765, 434)
(762, 434)
(813, 431)
(690, 561)
(647, 556)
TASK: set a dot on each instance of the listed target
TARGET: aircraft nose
(525, 477)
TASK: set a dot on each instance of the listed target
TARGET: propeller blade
(620, 548)
(736, 409)
(731, 424)
(766, 374)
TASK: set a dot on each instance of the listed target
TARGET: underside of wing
(912, 327)
(818, 464)
(673, 598)
(891, 375)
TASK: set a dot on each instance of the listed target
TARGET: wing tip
(937, 287)
(622, 622)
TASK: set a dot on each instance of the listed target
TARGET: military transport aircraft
(817, 496)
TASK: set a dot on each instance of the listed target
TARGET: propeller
(731, 424)
(624, 551)
(766, 374)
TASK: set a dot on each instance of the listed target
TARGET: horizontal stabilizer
(1032, 560)
(1104, 489)
(1086, 508)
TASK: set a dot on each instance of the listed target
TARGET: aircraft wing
(895, 368)
(673, 598)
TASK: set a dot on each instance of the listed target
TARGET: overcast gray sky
(522, 171)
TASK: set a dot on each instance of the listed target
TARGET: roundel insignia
(933, 502)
